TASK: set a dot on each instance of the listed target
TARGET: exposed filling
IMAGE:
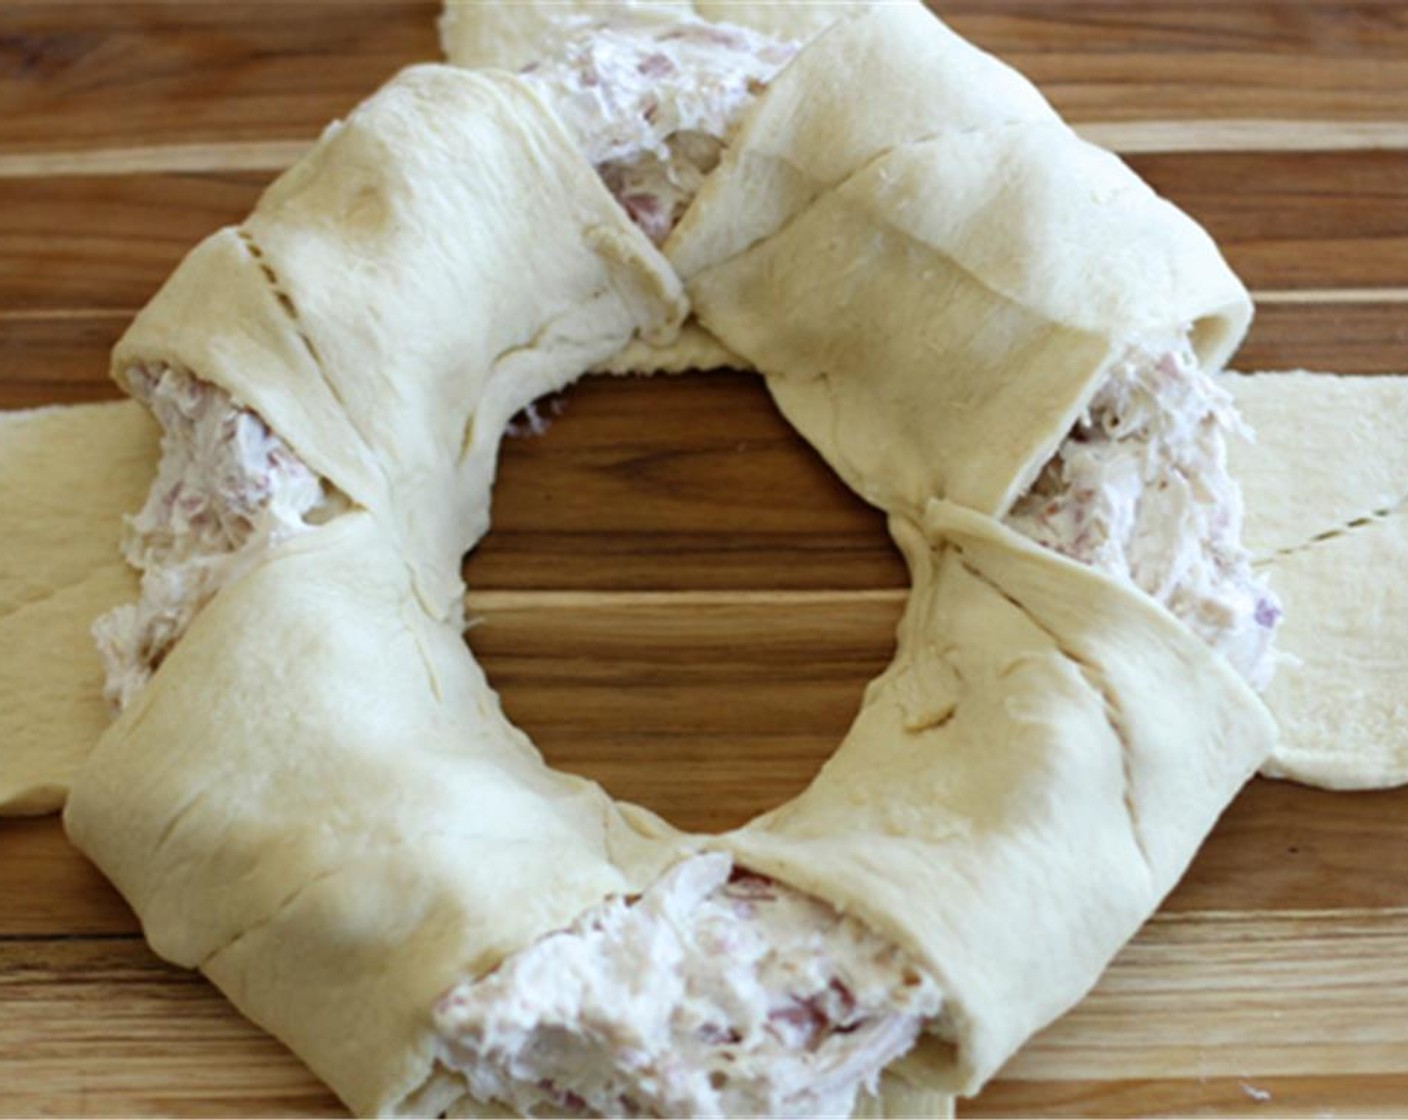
(1140, 490)
(716, 993)
(654, 102)
(227, 490)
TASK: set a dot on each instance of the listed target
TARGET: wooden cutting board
(677, 598)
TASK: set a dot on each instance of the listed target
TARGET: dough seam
(281, 295)
(1093, 678)
(290, 309)
(277, 910)
(1347, 529)
(822, 190)
(181, 814)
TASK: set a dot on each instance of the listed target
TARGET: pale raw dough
(476, 303)
(339, 849)
(317, 800)
(1021, 787)
(66, 477)
(482, 33)
(695, 348)
(1329, 450)
(1326, 486)
(926, 349)
(435, 263)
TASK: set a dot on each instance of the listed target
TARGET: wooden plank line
(554, 600)
(64, 314)
(1126, 137)
(45, 938)
(157, 159)
(1162, 137)
(1332, 295)
(1258, 1096)
(1286, 220)
(670, 744)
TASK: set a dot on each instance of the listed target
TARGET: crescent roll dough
(317, 800)
(334, 851)
(1327, 515)
(477, 34)
(1021, 787)
(67, 475)
(937, 274)
(437, 261)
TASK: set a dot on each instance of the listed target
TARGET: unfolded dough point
(67, 475)
(1326, 485)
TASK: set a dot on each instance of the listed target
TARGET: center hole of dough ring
(678, 599)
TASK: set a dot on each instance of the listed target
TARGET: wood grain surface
(677, 597)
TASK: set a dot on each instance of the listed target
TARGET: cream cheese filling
(1141, 491)
(716, 993)
(653, 102)
(227, 491)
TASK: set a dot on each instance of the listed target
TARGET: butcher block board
(677, 598)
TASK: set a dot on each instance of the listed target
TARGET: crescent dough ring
(316, 799)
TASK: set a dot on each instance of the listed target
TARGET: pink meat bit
(647, 213)
(1268, 613)
(743, 883)
(655, 66)
(715, 1035)
(721, 36)
(812, 1020)
(565, 1097)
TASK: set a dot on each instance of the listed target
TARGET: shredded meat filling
(654, 102)
(227, 490)
(716, 993)
(1140, 490)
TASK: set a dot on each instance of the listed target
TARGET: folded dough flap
(434, 263)
(510, 36)
(1021, 787)
(936, 318)
(67, 475)
(319, 802)
(886, 77)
